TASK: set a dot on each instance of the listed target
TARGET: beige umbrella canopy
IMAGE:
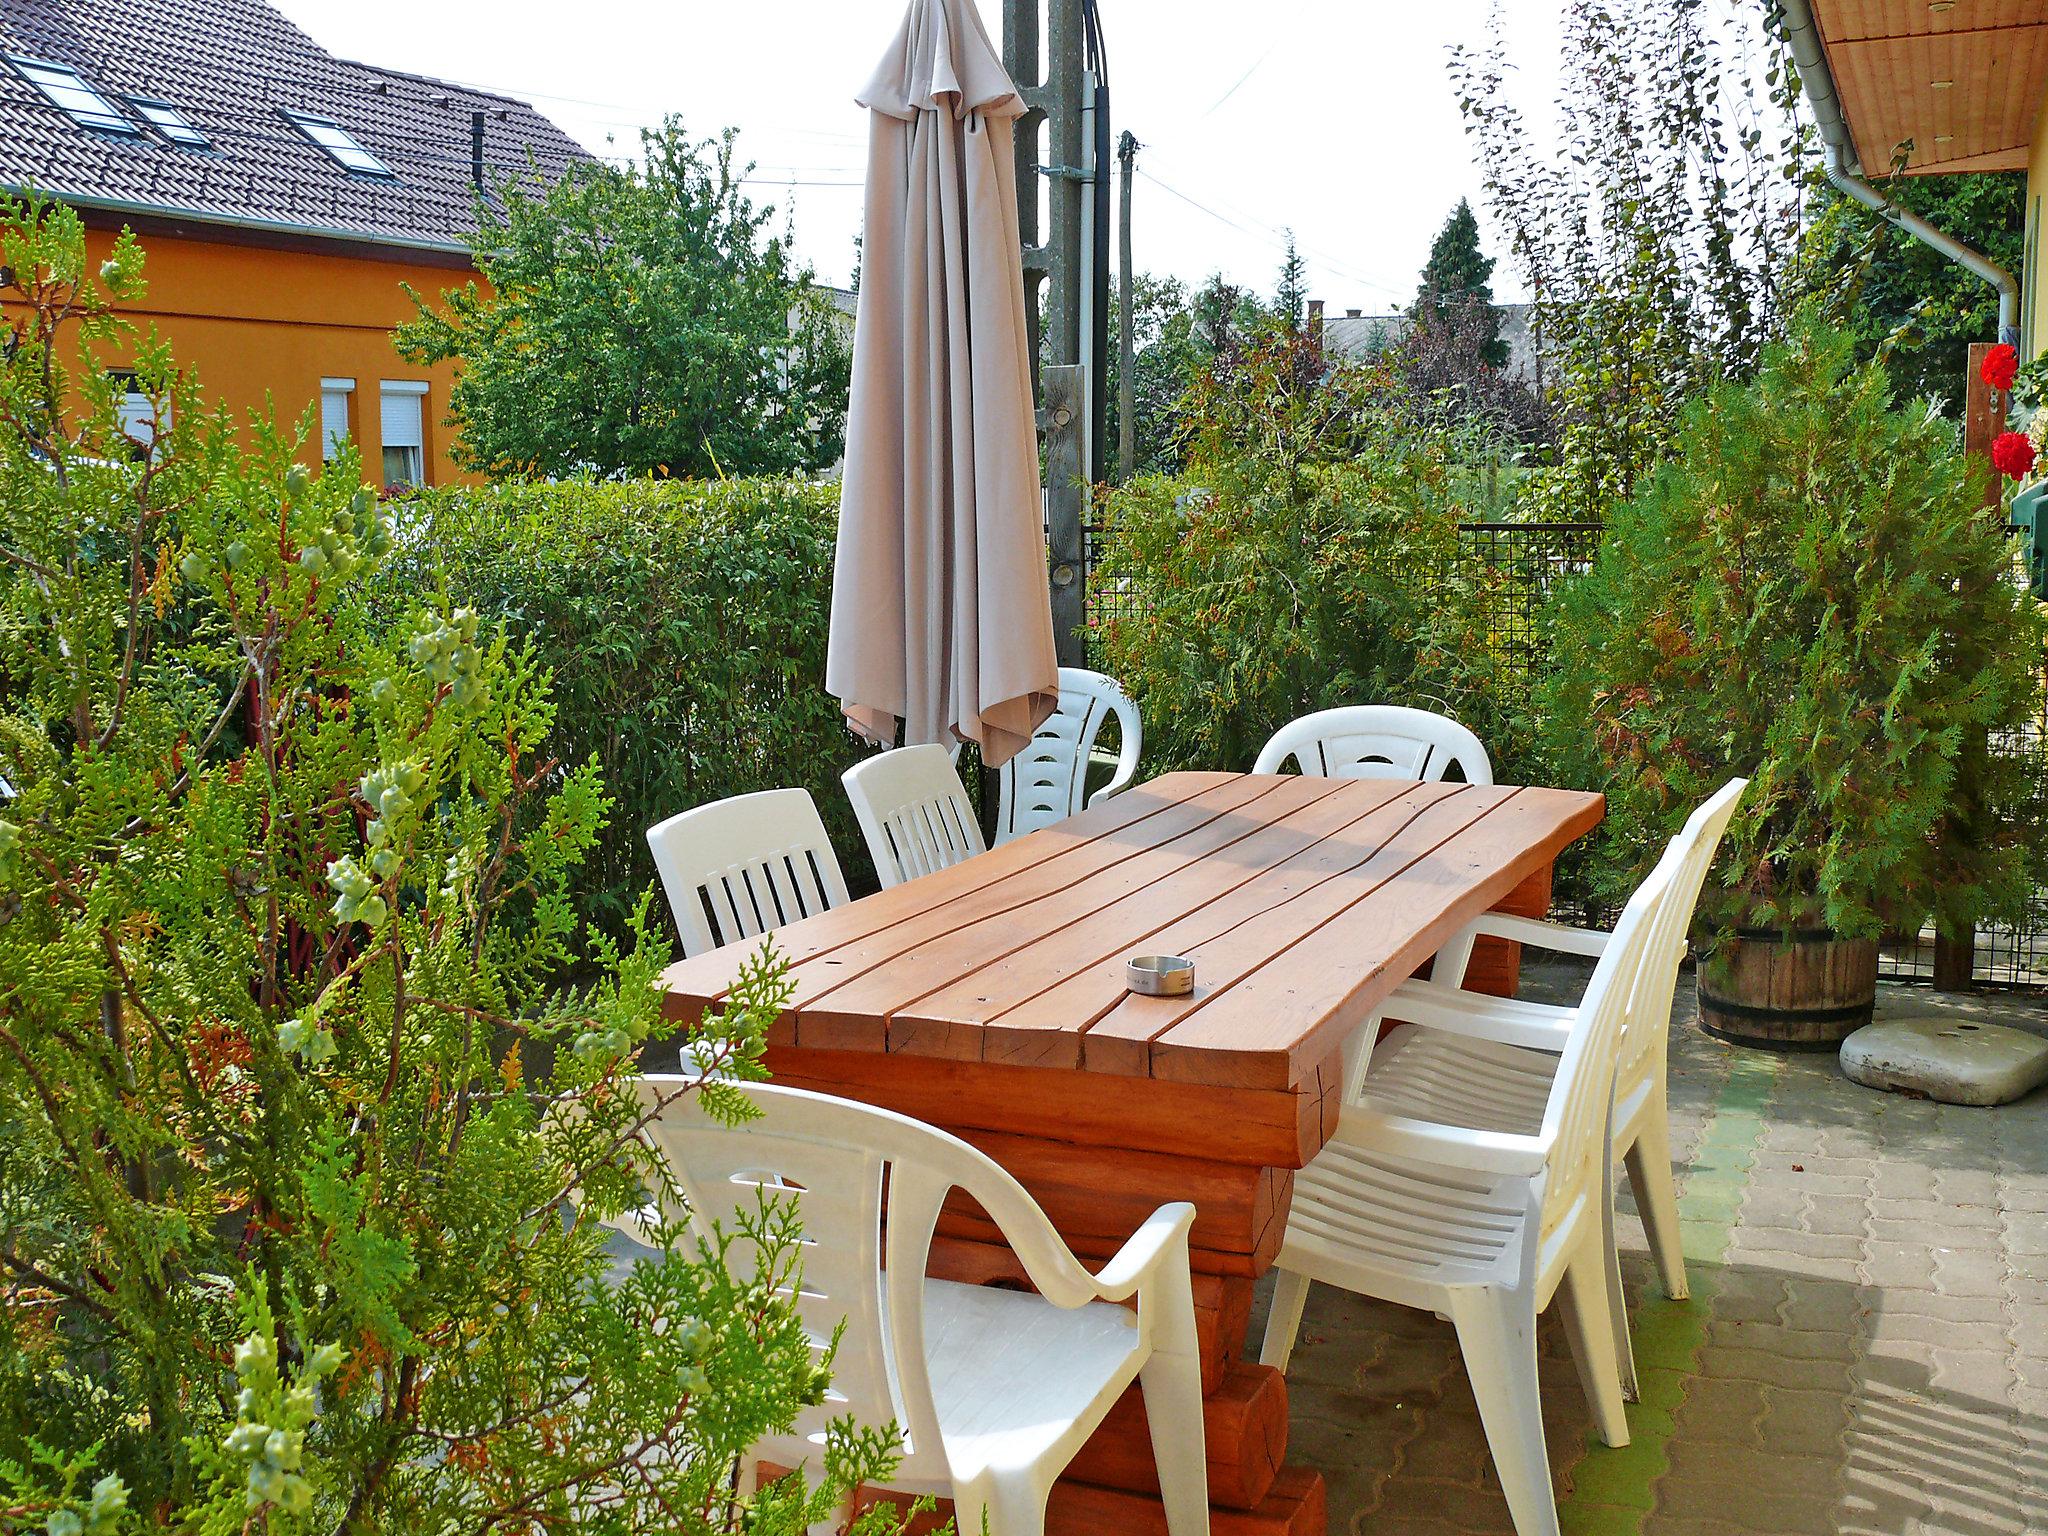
(940, 613)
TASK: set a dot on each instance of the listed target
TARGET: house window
(335, 397)
(167, 120)
(341, 145)
(402, 413)
(79, 101)
(138, 417)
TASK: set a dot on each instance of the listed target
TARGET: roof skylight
(170, 122)
(79, 101)
(339, 143)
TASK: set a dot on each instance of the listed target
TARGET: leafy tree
(1809, 593)
(1458, 276)
(638, 321)
(1659, 241)
(1910, 307)
(1290, 299)
(303, 1162)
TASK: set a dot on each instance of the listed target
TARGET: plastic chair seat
(1428, 1074)
(1359, 1212)
(1011, 1372)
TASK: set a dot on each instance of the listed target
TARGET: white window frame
(338, 144)
(76, 97)
(170, 122)
(387, 391)
(330, 441)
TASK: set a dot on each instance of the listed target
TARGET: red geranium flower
(2001, 366)
(2013, 454)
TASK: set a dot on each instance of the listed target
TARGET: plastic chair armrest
(1425, 1141)
(1126, 770)
(1560, 938)
(1162, 1239)
(1533, 1026)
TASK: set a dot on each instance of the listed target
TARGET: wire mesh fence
(1515, 567)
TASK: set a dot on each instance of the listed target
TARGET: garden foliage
(638, 321)
(1307, 557)
(302, 1163)
(683, 625)
(1659, 240)
(1812, 593)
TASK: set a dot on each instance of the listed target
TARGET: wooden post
(1984, 408)
(1065, 495)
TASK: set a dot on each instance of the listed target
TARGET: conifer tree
(1459, 274)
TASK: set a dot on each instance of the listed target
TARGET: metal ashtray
(1160, 975)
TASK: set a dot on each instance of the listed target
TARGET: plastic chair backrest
(1646, 1035)
(1377, 741)
(736, 868)
(1048, 780)
(832, 1160)
(1575, 1120)
(913, 811)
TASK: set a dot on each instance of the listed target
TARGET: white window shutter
(334, 394)
(401, 418)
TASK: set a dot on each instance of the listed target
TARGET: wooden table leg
(1496, 964)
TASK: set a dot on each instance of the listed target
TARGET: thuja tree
(1809, 593)
(302, 1163)
(1659, 239)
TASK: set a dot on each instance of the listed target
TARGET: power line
(1268, 234)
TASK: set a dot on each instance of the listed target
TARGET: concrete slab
(1951, 1060)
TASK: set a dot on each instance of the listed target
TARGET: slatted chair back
(1575, 1120)
(1646, 1036)
(913, 811)
(1048, 780)
(1377, 741)
(736, 868)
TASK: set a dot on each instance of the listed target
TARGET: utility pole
(1052, 50)
(1126, 342)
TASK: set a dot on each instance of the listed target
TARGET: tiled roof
(234, 67)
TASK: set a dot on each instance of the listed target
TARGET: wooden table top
(1302, 901)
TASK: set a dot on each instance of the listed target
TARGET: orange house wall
(261, 328)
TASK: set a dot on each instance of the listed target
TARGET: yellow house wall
(2034, 278)
(261, 328)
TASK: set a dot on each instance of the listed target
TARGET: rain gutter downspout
(1841, 168)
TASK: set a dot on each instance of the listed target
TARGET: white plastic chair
(1487, 1062)
(1383, 741)
(1047, 780)
(1376, 741)
(736, 868)
(913, 811)
(994, 1391)
(1487, 1228)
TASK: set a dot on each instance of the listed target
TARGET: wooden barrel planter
(1805, 992)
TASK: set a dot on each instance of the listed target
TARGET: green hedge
(684, 623)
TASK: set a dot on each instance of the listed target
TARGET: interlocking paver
(1866, 1353)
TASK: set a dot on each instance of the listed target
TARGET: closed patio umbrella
(940, 612)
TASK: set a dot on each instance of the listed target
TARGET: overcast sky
(1333, 116)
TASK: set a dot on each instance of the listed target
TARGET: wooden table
(989, 999)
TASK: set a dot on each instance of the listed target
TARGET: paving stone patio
(1865, 1351)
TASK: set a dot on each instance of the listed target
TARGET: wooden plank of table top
(1006, 986)
(852, 1008)
(1082, 985)
(1251, 1034)
(1196, 818)
(1234, 939)
(696, 983)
